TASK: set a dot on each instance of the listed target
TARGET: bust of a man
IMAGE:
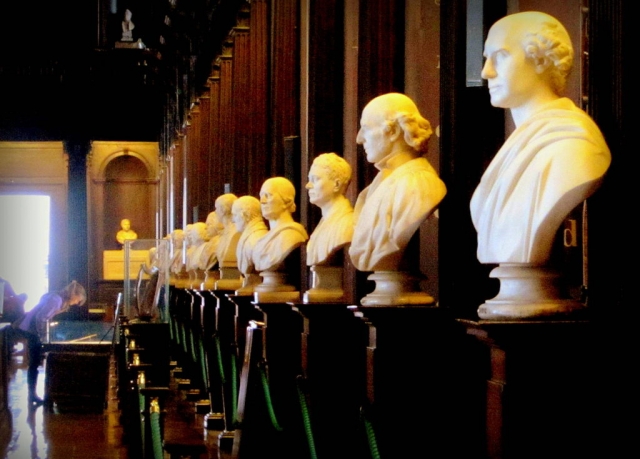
(329, 177)
(127, 26)
(406, 189)
(197, 238)
(277, 200)
(125, 232)
(226, 250)
(247, 218)
(214, 229)
(177, 265)
(555, 158)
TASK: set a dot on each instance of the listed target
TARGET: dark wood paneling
(205, 203)
(472, 132)
(225, 175)
(215, 159)
(285, 79)
(259, 161)
(242, 109)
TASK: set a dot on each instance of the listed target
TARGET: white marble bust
(406, 189)
(226, 250)
(197, 236)
(214, 227)
(127, 26)
(329, 177)
(247, 217)
(277, 200)
(178, 260)
(555, 159)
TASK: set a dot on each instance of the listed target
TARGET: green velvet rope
(234, 389)
(219, 359)
(306, 419)
(156, 436)
(371, 435)
(267, 396)
(203, 363)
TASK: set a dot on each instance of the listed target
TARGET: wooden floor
(40, 434)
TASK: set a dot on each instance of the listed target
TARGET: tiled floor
(39, 434)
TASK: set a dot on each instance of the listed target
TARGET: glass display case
(146, 279)
(79, 332)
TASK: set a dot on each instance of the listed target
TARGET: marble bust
(247, 217)
(329, 177)
(403, 194)
(197, 237)
(127, 26)
(555, 159)
(277, 202)
(177, 265)
(214, 231)
(230, 278)
(125, 232)
(208, 255)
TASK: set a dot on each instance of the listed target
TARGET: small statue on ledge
(127, 26)
(126, 40)
(125, 233)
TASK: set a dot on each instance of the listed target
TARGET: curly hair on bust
(552, 44)
(417, 130)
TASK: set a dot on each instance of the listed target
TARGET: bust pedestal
(210, 279)
(274, 289)
(326, 285)
(196, 278)
(396, 288)
(229, 278)
(528, 292)
(249, 281)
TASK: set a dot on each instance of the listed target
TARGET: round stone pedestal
(326, 285)
(528, 292)
(396, 288)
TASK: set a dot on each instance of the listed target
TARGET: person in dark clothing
(32, 328)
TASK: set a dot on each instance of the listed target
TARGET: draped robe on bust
(515, 209)
(333, 232)
(274, 247)
(254, 230)
(389, 211)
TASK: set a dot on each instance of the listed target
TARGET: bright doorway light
(24, 244)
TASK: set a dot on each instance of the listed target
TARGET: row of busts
(554, 159)
(244, 244)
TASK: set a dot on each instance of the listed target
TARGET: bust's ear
(393, 130)
(337, 185)
(541, 64)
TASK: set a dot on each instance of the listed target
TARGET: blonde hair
(74, 289)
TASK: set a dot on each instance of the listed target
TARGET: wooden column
(259, 160)
(215, 157)
(205, 203)
(178, 182)
(226, 114)
(284, 112)
(242, 108)
(78, 258)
